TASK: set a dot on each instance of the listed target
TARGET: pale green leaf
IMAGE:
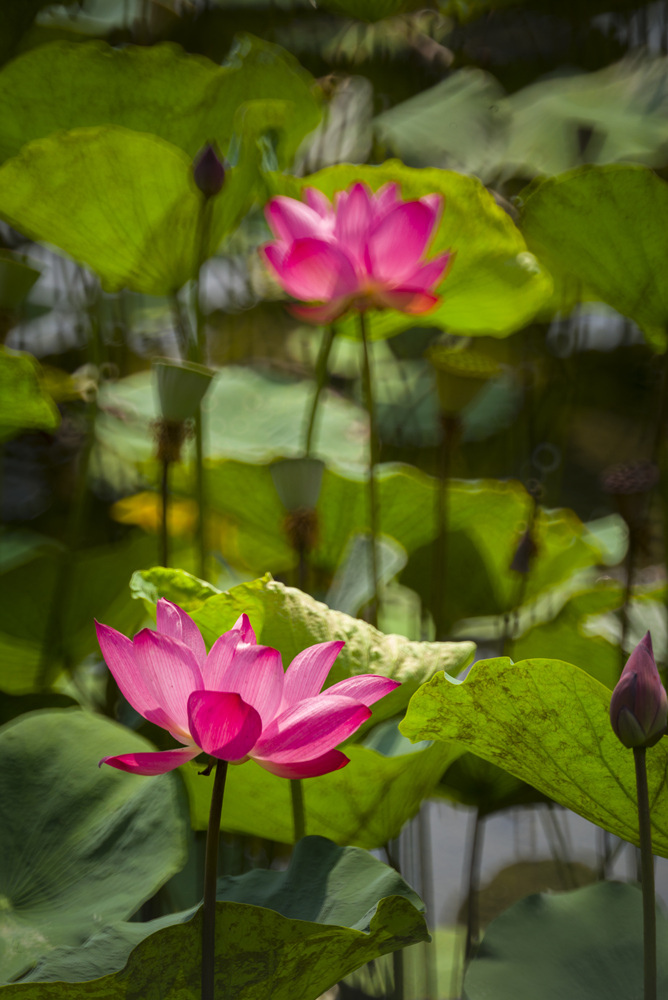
(548, 723)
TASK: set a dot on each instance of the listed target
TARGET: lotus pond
(333, 432)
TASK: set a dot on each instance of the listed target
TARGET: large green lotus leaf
(606, 227)
(182, 98)
(486, 520)
(36, 639)
(290, 621)
(365, 803)
(548, 723)
(584, 945)
(25, 403)
(495, 285)
(124, 203)
(250, 416)
(567, 634)
(280, 935)
(80, 846)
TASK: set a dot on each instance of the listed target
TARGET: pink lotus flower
(236, 702)
(367, 251)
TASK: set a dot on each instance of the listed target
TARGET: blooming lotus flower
(365, 251)
(639, 705)
(236, 702)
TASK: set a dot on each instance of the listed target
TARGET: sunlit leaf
(548, 723)
(570, 944)
(495, 286)
(290, 621)
(25, 403)
(121, 202)
(279, 935)
(162, 89)
(606, 228)
(80, 846)
(249, 417)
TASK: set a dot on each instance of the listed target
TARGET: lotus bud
(639, 704)
(209, 170)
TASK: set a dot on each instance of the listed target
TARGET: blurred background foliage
(531, 519)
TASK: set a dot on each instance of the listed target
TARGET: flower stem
(298, 815)
(647, 863)
(164, 529)
(374, 513)
(320, 375)
(198, 354)
(210, 877)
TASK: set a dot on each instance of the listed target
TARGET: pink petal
(171, 672)
(406, 300)
(274, 254)
(152, 763)
(321, 315)
(385, 200)
(395, 246)
(254, 672)
(223, 724)
(308, 672)
(243, 625)
(333, 760)
(319, 203)
(291, 220)
(220, 658)
(352, 222)
(315, 270)
(118, 653)
(310, 729)
(367, 688)
(434, 203)
(173, 621)
(430, 274)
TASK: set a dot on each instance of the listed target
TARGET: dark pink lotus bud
(639, 705)
(208, 170)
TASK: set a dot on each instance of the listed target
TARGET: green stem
(298, 815)
(374, 513)
(210, 878)
(164, 528)
(198, 354)
(200, 493)
(180, 327)
(647, 862)
(320, 375)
